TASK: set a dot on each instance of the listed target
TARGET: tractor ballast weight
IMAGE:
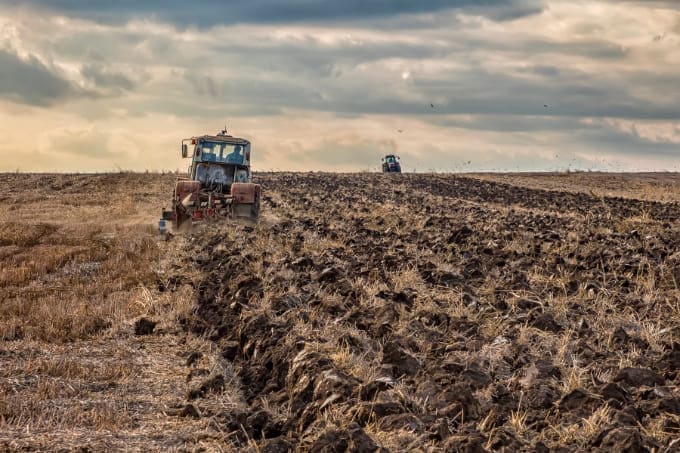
(219, 182)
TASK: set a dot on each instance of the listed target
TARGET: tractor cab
(217, 161)
(391, 164)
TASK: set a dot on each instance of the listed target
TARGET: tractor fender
(245, 192)
(186, 188)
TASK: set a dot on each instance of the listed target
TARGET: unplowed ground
(440, 312)
(363, 312)
(80, 259)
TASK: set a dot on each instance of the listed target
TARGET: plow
(219, 182)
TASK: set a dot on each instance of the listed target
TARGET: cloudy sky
(450, 85)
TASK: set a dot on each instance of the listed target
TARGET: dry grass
(76, 253)
(80, 263)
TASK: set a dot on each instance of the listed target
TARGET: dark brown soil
(366, 312)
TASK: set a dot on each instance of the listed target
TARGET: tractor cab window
(208, 152)
(233, 154)
(223, 153)
(390, 159)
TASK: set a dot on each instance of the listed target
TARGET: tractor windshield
(390, 159)
(222, 153)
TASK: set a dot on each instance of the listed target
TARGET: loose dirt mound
(416, 312)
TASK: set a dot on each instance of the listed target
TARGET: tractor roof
(222, 139)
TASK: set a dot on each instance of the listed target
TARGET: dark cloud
(213, 12)
(316, 59)
(103, 77)
(507, 99)
(29, 81)
(592, 48)
(502, 11)
(203, 85)
(566, 92)
(629, 143)
(308, 74)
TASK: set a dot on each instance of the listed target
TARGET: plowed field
(440, 312)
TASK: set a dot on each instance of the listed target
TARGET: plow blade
(191, 203)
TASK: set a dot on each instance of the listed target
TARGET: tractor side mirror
(185, 150)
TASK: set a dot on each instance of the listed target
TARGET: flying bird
(400, 131)
(545, 105)
(431, 105)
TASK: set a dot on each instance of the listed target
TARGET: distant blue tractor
(390, 164)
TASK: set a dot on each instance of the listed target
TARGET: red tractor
(218, 184)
